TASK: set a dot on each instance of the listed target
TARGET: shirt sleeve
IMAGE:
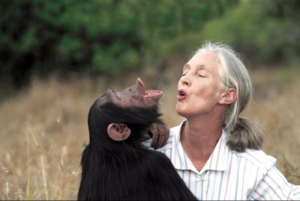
(295, 194)
(274, 186)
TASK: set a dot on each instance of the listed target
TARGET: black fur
(125, 170)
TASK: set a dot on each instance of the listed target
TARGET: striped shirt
(230, 175)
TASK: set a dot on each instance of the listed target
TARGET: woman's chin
(181, 112)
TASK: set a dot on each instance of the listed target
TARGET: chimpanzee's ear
(118, 131)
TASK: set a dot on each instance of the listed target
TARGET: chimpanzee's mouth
(150, 93)
(153, 93)
(137, 90)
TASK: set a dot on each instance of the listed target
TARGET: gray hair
(245, 133)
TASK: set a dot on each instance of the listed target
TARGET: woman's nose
(185, 81)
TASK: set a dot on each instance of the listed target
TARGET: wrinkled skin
(160, 135)
(137, 96)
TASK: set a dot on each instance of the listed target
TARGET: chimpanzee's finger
(155, 136)
(163, 135)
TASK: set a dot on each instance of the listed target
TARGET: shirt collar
(217, 161)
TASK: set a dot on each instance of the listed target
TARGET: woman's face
(200, 87)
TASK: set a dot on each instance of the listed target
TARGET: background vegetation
(57, 57)
(93, 37)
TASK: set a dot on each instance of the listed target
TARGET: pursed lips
(181, 95)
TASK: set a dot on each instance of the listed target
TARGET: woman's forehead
(205, 57)
(198, 67)
(203, 60)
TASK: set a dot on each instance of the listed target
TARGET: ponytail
(247, 134)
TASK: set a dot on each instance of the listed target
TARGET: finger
(161, 137)
(155, 136)
(167, 134)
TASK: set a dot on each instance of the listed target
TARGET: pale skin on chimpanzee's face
(200, 89)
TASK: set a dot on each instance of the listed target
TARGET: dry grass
(44, 129)
(276, 107)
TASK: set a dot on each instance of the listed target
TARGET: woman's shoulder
(257, 157)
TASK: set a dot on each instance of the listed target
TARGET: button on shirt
(230, 175)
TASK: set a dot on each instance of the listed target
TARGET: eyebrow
(186, 66)
(199, 67)
(102, 96)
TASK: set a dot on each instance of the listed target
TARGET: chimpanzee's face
(134, 96)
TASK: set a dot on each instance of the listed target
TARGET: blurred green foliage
(107, 36)
(266, 31)
(114, 36)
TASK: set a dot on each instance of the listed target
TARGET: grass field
(44, 128)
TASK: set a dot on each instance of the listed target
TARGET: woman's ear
(228, 97)
(118, 131)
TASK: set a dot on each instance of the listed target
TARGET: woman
(216, 152)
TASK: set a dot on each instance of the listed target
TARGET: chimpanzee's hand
(160, 134)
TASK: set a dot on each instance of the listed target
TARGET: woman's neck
(199, 139)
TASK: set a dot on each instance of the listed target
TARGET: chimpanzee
(115, 165)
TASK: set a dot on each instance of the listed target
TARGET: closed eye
(185, 72)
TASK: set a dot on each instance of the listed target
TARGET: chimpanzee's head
(124, 115)
(134, 96)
